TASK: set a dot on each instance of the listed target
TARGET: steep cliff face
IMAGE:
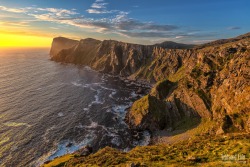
(118, 58)
(59, 44)
(108, 56)
(82, 53)
(208, 83)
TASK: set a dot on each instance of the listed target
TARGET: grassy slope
(203, 150)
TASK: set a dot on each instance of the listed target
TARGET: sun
(13, 40)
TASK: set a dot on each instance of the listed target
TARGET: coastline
(189, 102)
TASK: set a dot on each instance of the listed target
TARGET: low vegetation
(205, 150)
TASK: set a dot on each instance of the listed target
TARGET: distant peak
(174, 45)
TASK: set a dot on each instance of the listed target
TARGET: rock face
(212, 82)
(209, 81)
(61, 43)
(114, 57)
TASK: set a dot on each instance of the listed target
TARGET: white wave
(63, 149)
(47, 133)
(133, 94)
(104, 78)
(93, 125)
(80, 126)
(116, 141)
(145, 139)
(92, 89)
(112, 94)
(85, 85)
(60, 114)
(97, 99)
(76, 84)
(89, 69)
(120, 108)
(106, 88)
(120, 111)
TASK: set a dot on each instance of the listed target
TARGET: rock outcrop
(209, 81)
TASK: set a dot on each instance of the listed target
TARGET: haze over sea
(48, 109)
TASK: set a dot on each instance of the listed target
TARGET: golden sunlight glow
(16, 40)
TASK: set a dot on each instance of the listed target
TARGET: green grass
(148, 106)
(206, 99)
(162, 88)
(178, 75)
(200, 151)
(59, 162)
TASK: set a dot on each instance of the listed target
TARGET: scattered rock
(194, 159)
(46, 162)
(134, 164)
(169, 129)
(219, 131)
(140, 91)
(69, 144)
(85, 151)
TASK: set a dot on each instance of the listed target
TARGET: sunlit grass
(201, 151)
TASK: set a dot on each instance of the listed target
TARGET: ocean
(48, 109)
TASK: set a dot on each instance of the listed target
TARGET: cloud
(234, 28)
(14, 10)
(99, 7)
(202, 41)
(118, 22)
(14, 23)
(98, 11)
(146, 34)
(132, 24)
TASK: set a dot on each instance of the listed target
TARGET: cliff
(207, 83)
(109, 56)
(61, 43)
(210, 81)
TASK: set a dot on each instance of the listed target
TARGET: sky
(33, 23)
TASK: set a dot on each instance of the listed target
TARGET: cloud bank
(108, 21)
